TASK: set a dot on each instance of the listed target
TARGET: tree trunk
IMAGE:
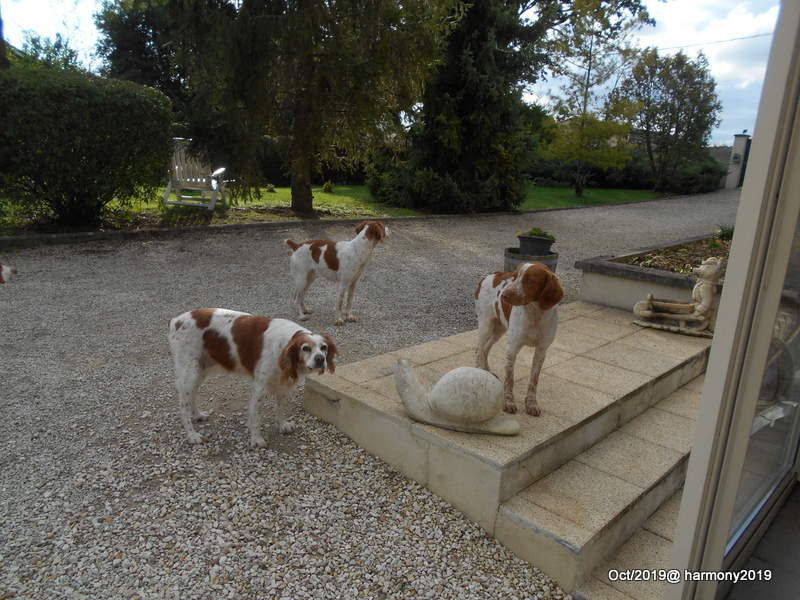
(580, 180)
(302, 198)
(302, 150)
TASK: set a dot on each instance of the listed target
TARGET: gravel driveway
(102, 497)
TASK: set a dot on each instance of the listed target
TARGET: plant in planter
(535, 242)
(534, 245)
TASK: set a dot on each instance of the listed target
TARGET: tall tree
(50, 53)
(137, 43)
(591, 47)
(678, 109)
(326, 79)
(470, 148)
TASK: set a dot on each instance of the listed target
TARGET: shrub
(71, 142)
(698, 177)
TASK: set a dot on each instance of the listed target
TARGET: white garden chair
(192, 174)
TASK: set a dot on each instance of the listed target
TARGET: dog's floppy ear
(290, 356)
(380, 230)
(333, 351)
(361, 226)
(552, 293)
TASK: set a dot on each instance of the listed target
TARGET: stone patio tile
(664, 521)
(664, 342)
(466, 358)
(572, 401)
(604, 377)
(385, 387)
(696, 384)
(575, 340)
(644, 550)
(335, 382)
(542, 519)
(623, 355)
(380, 403)
(522, 367)
(629, 458)
(576, 309)
(368, 369)
(597, 590)
(663, 428)
(582, 495)
(468, 339)
(684, 402)
(431, 351)
(617, 316)
(600, 328)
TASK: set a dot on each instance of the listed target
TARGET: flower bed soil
(681, 259)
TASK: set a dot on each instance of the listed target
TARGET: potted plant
(534, 245)
(535, 242)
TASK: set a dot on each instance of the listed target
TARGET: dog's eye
(323, 348)
(306, 348)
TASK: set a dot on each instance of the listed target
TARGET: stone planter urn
(533, 247)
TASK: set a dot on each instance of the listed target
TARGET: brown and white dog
(341, 262)
(275, 354)
(524, 303)
(7, 273)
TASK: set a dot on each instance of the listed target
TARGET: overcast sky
(731, 33)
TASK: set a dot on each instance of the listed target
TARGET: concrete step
(569, 522)
(649, 548)
(601, 373)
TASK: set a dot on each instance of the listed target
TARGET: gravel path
(102, 497)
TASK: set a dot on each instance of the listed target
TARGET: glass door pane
(772, 450)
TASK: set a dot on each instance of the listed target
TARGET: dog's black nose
(319, 360)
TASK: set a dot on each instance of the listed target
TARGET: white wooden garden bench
(192, 174)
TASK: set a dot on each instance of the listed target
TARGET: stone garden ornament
(681, 316)
(465, 399)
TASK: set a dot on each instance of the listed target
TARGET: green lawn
(343, 202)
(548, 197)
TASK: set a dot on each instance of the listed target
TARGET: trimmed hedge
(71, 142)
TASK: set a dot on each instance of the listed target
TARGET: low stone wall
(609, 281)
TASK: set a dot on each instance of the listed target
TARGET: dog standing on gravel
(341, 262)
(275, 354)
(7, 273)
(524, 303)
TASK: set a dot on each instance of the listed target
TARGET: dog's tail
(292, 245)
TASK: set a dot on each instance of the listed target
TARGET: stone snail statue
(680, 316)
(465, 399)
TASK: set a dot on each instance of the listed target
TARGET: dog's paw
(510, 407)
(308, 311)
(195, 438)
(533, 410)
(201, 416)
(257, 441)
(286, 427)
(351, 319)
(338, 322)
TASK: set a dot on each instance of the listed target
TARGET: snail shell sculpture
(465, 399)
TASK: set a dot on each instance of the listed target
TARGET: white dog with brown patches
(7, 273)
(341, 262)
(275, 354)
(524, 303)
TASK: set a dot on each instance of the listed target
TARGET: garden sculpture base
(681, 316)
(465, 399)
